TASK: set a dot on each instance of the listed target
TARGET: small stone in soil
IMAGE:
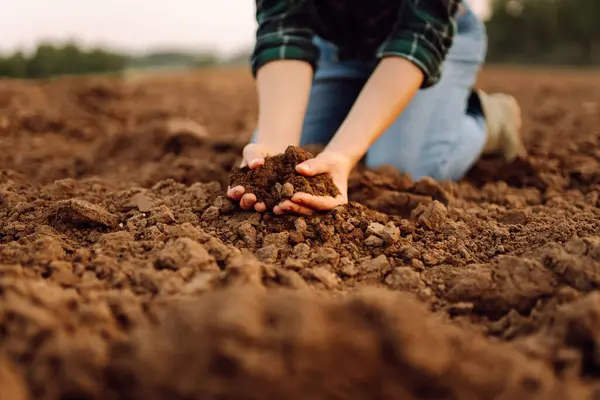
(287, 190)
(373, 241)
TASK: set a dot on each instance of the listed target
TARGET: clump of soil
(278, 180)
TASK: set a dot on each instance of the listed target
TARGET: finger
(290, 206)
(320, 203)
(255, 163)
(260, 207)
(254, 156)
(248, 201)
(277, 210)
(312, 167)
(235, 193)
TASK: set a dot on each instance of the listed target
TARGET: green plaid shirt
(418, 30)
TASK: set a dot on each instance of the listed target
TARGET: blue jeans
(436, 135)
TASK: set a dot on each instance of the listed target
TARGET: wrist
(348, 155)
(339, 160)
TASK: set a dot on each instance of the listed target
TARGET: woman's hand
(283, 91)
(253, 157)
(385, 95)
(338, 167)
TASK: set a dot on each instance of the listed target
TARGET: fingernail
(255, 161)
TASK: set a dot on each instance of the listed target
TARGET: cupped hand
(338, 167)
(253, 157)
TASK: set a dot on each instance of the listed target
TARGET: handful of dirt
(278, 180)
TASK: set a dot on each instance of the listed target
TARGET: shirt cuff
(284, 48)
(420, 52)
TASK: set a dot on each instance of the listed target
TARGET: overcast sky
(130, 24)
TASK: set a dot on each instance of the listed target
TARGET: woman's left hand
(338, 167)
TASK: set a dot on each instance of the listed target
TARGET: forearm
(383, 98)
(283, 92)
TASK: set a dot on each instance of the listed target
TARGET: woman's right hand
(253, 157)
(282, 103)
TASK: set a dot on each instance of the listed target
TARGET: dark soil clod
(278, 180)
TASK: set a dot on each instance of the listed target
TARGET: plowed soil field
(126, 274)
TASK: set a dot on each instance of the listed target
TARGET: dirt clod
(431, 216)
(325, 276)
(279, 240)
(388, 233)
(81, 212)
(185, 253)
(378, 264)
(277, 179)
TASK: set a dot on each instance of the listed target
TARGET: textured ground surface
(125, 275)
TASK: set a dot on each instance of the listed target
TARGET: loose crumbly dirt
(126, 274)
(278, 180)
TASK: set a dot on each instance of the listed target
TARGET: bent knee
(441, 170)
(403, 164)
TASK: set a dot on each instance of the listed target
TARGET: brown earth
(277, 179)
(125, 273)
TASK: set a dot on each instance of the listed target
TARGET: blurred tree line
(49, 60)
(69, 59)
(167, 58)
(556, 32)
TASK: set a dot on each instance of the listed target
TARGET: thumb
(312, 167)
(254, 156)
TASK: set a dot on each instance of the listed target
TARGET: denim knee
(439, 170)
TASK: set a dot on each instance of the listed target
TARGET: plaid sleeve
(284, 33)
(423, 34)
